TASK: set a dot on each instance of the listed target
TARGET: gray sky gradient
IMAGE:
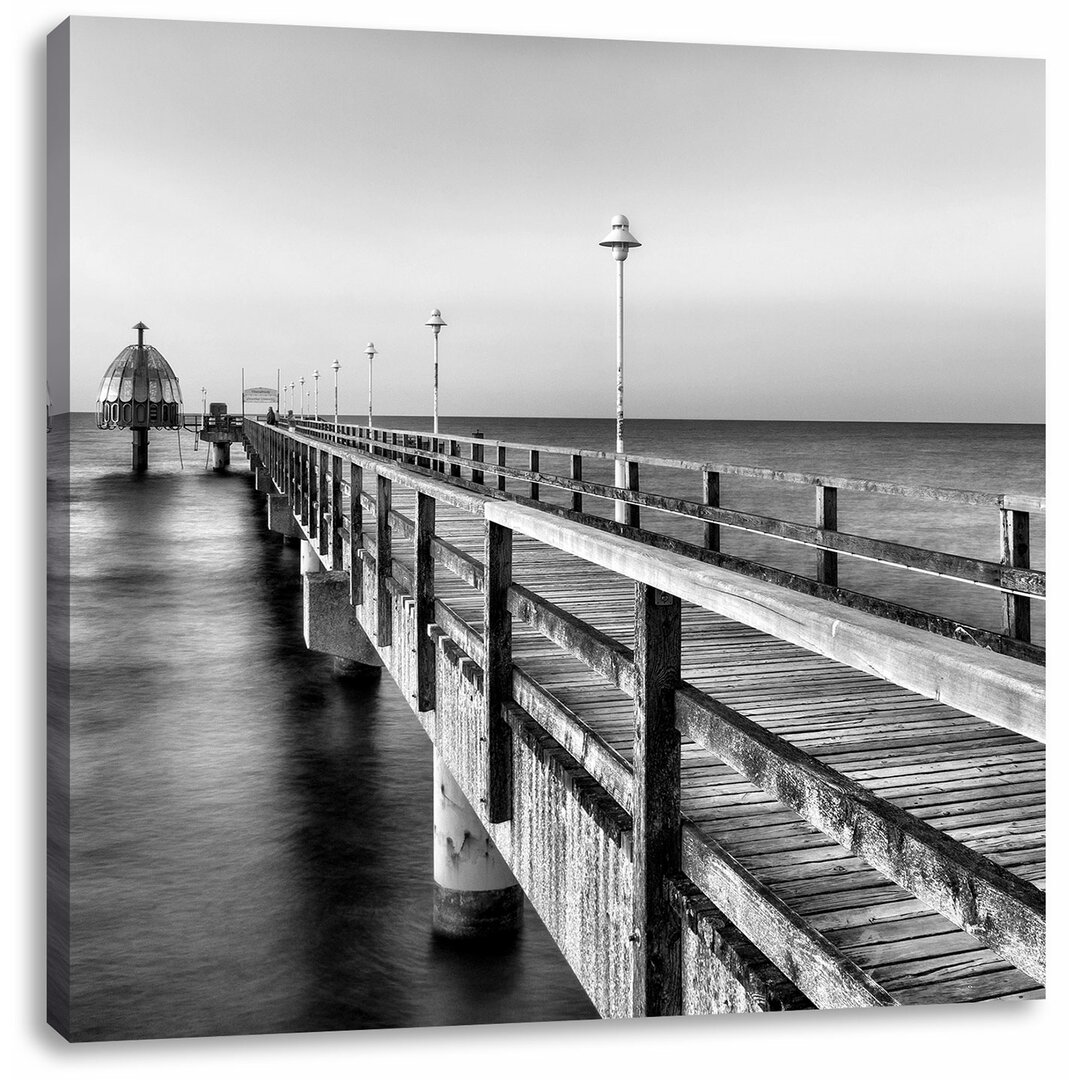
(826, 235)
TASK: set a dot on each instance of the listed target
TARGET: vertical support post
(633, 511)
(455, 451)
(383, 557)
(710, 496)
(323, 460)
(302, 486)
(424, 592)
(313, 493)
(534, 466)
(826, 519)
(500, 460)
(478, 455)
(356, 539)
(1016, 551)
(657, 989)
(575, 474)
(336, 518)
(498, 636)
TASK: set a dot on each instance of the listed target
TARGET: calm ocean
(250, 847)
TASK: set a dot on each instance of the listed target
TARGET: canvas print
(540, 529)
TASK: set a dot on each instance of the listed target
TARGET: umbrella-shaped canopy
(139, 390)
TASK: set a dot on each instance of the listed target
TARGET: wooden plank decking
(978, 783)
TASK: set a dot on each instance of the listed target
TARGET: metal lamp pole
(370, 350)
(316, 393)
(204, 404)
(436, 323)
(336, 365)
(301, 397)
(620, 241)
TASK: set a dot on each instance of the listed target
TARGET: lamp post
(370, 350)
(436, 323)
(204, 404)
(336, 365)
(316, 393)
(292, 397)
(302, 398)
(620, 241)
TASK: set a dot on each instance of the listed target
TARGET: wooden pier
(723, 786)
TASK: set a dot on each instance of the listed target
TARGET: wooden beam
(633, 511)
(424, 594)
(336, 516)
(575, 481)
(657, 985)
(825, 518)
(478, 455)
(1016, 552)
(534, 467)
(498, 666)
(383, 560)
(710, 496)
(356, 525)
(323, 502)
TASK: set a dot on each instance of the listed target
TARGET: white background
(1032, 1040)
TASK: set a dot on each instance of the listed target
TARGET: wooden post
(323, 461)
(500, 459)
(455, 451)
(633, 511)
(534, 466)
(313, 493)
(575, 474)
(478, 455)
(656, 803)
(826, 519)
(383, 557)
(424, 593)
(1016, 551)
(302, 487)
(356, 541)
(710, 496)
(336, 518)
(498, 635)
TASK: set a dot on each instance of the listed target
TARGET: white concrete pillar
(221, 455)
(310, 563)
(476, 895)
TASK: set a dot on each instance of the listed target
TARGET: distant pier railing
(1011, 574)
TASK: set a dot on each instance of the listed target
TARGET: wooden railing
(323, 483)
(1011, 575)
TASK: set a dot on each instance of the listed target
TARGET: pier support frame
(330, 624)
(475, 894)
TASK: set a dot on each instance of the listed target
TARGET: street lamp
(292, 397)
(436, 323)
(620, 241)
(316, 393)
(302, 399)
(370, 350)
(204, 403)
(336, 366)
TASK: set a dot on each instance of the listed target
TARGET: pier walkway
(724, 786)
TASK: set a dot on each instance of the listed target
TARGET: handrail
(1012, 576)
(999, 500)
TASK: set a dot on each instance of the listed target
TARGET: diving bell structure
(140, 391)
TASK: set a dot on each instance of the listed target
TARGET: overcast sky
(826, 235)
